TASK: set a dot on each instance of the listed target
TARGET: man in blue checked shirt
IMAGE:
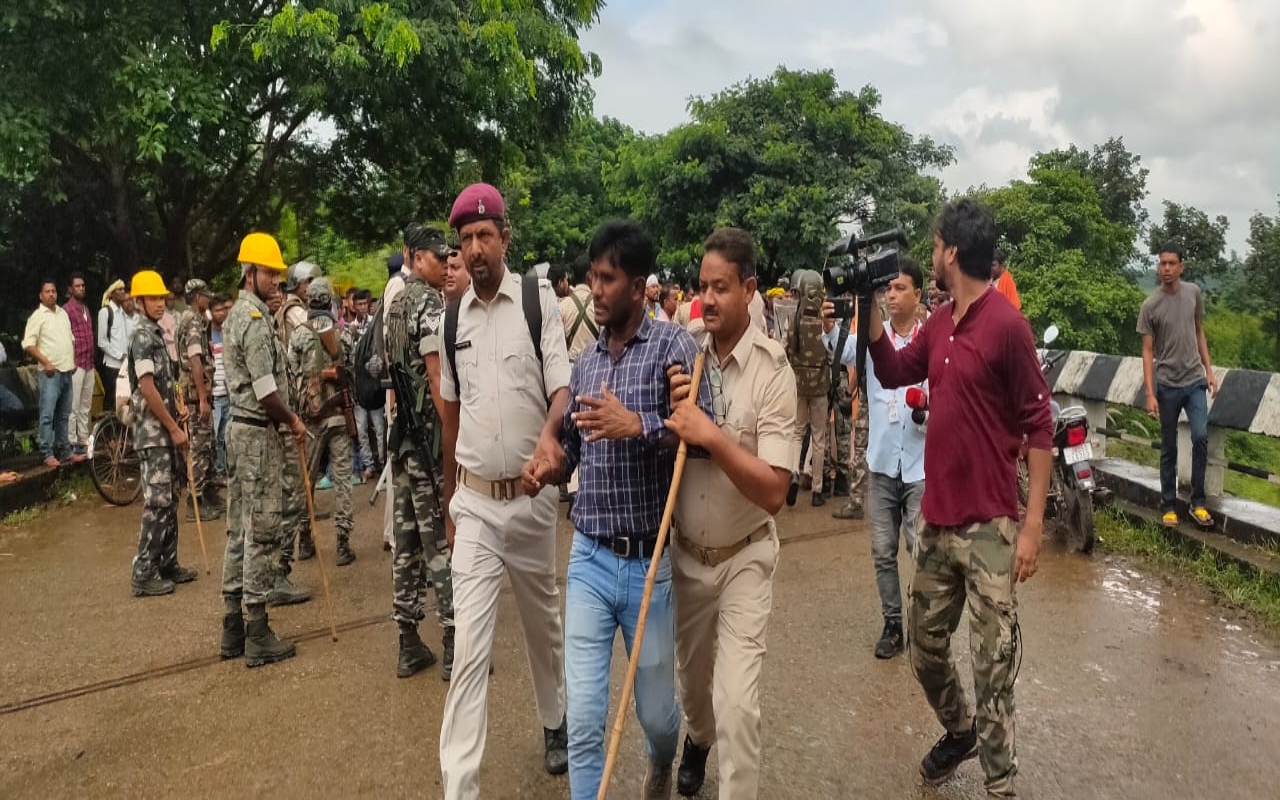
(895, 452)
(614, 434)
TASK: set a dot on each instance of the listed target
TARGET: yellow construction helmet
(261, 249)
(148, 283)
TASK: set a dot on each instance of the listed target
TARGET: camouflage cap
(196, 286)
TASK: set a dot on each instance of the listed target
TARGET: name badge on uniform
(893, 411)
(463, 345)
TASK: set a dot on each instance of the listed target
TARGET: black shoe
(386, 547)
(261, 646)
(306, 547)
(792, 492)
(847, 511)
(414, 655)
(345, 555)
(178, 574)
(285, 593)
(890, 643)
(947, 755)
(819, 499)
(446, 666)
(232, 645)
(151, 585)
(557, 749)
(693, 768)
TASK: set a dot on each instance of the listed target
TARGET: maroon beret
(478, 201)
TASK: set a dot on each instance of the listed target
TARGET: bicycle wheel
(113, 463)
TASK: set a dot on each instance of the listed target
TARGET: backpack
(582, 319)
(368, 385)
(804, 347)
(530, 302)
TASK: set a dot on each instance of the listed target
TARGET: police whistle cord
(311, 514)
(191, 476)
(649, 580)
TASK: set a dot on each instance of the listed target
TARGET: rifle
(407, 414)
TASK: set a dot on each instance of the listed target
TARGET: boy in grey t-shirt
(1177, 374)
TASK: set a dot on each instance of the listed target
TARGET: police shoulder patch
(255, 314)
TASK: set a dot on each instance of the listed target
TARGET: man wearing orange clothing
(1003, 280)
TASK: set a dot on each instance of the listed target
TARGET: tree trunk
(124, 250)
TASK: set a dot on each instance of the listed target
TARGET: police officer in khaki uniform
(722, 564)
(493, 414)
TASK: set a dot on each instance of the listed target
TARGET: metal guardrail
(1243, 469)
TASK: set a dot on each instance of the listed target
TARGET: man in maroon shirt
(83, 381)
(986, 392)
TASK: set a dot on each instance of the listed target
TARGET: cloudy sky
(1193, 86)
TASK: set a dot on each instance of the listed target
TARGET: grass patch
(1245, 589)
(20, 517)
(73, 486)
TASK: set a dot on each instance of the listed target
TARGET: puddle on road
(1132, 588)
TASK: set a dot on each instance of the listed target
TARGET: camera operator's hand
(828, 316)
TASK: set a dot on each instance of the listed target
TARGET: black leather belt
(257, 423)
(629, 546)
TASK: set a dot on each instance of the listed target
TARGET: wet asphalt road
(1133, 685)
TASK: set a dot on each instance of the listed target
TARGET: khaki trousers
(812, 415)
(722, 613)
(493, 537)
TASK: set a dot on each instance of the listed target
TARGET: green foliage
(1204, 240)
(1069, 258)
(787, 157)
(1262, 270)
(1239, 339)
(555, 206)
(152, 133)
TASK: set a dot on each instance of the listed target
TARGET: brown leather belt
(509, 489)
(715, 556)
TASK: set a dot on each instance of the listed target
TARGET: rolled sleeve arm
(775, 432)
(448, 384)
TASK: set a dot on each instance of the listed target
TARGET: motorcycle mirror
(1050, 334)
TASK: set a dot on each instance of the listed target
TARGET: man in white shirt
(895, 451)
(113, 341)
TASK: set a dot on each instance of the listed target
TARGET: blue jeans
(55, 405)
(9, 402)
(894, 506)
(221, 416)
(1172, 400)
(603, 594)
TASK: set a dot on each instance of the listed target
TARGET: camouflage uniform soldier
(414, 321)
(812, 367)
(297, 525)
(155, 435)
(257, 379)
(195, 374)
(314, 353)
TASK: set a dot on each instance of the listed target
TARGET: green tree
(788, 158)
(556, 203)
(1068, 257)
(185, 126)
(1204, 240)
(1117, 174)
(1262, 268)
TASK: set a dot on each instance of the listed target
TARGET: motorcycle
(1072, 484)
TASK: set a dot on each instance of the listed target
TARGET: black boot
(556, 743)
(446, 667)
(793, 490)
(150, 584)
(345, 555)
(693, 768)
(841, 487)
(306, 547)
(178, 573)
(232, 645)
(947, 755)
(261, 645)
(890, 643)
(819, 499)
(414, 655)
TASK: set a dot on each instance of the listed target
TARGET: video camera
(853, 272)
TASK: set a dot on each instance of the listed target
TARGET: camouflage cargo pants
(254, 499)
(838, 446)
(973, 567)
(202, 448)
(332, 446)
(419, 530)
(811, 417)
(858, 465)
(293, 512)
(158, 538)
